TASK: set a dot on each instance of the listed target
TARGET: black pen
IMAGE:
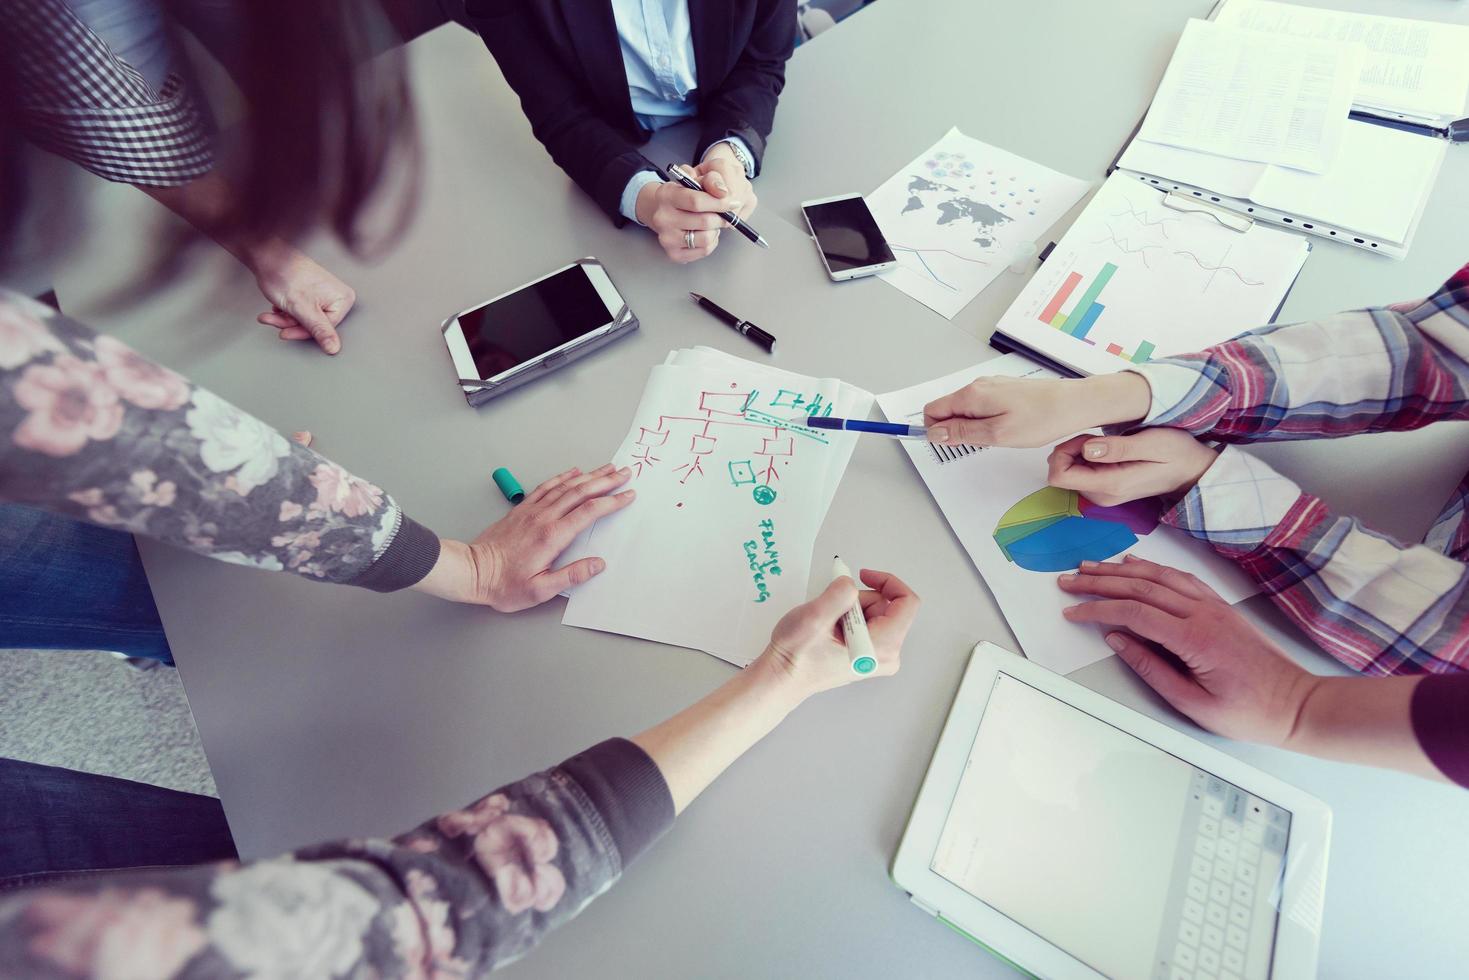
(735, 221)
(742, 326)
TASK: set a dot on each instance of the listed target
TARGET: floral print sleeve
(94, 430)
(468, 891)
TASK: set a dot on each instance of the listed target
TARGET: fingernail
(1088, 565)
(628, 494)
(939, 434)
(1129, 558)
(333, 345)
(625, 471)
(1067, 579)
(1070, 610)
(1116, 642)
(598, 566)
(1095, 450)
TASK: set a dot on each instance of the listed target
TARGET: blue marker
(877, 428)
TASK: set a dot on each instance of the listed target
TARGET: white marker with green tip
(854, 627)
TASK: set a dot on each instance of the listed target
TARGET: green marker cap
(508, 485)
(864, 665)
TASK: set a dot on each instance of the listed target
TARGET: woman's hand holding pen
(1025, 413)
(680, 216)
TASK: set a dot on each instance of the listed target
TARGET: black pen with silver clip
(735, 221)
(754, 333)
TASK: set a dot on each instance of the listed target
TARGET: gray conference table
(330, 712)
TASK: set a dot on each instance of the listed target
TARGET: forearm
(205, 203)
(459, 895)
(693, 747)
(93, 430)
(745, 101)
(1376, 606)
(1365, 721)
(1365, 371)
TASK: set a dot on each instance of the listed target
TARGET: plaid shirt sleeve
(75, 97)
(1378, 606)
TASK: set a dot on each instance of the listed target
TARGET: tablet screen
(532, 321)
(1128, 858)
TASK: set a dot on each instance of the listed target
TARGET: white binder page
(1379, 184)
(1269, 99)
(1378, 187)
(1134, 279)
(1413, 66)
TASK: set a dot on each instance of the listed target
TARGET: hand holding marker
(854, 627)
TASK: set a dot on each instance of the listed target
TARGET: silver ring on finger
(688, 238)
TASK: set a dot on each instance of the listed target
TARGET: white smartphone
(522, 334)
(847, 235)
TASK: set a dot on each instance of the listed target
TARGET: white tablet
(1075, 837)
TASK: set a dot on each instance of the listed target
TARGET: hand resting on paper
(1207, 660)
(806, 646)
(1023, 413)
(1213, 665)
(510, 566)
(1112, 470)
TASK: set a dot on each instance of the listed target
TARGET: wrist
(455, 576)
(1117, 398)
(774, 682)
(264, 256)
(1308, 696)
(646, 203)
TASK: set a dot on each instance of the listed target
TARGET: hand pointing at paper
(1023, 413)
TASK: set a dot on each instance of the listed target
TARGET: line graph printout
(1133, 279)
(957, 214)
(1020, 533)
(732, 488)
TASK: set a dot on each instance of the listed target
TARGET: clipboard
(1006, 344)
(1450, 131)
(1252, 212)
(1072, 298)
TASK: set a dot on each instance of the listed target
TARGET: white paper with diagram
(1021, 533)
(732, 488)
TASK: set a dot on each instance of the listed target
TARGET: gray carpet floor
(93, 712)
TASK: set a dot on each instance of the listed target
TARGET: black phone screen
(531, 321)
(848, 234)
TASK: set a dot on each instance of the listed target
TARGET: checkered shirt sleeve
(1380, 606)
(74, 97)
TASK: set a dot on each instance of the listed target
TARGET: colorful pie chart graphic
(1055, 530)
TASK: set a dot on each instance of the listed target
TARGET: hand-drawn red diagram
(732, 416)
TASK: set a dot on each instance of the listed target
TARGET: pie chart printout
(1055, 530)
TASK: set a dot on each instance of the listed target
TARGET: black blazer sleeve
(558, 102)
(743, 104)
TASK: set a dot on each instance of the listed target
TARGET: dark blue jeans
(65, 585)
(56, 822)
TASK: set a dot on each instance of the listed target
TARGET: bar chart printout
(1084, 314)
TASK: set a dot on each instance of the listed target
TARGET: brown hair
(327, 118)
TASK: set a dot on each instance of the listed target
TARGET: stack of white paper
(1415, 67)
(732, 489)
(1020, 535)
(1254, 96)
